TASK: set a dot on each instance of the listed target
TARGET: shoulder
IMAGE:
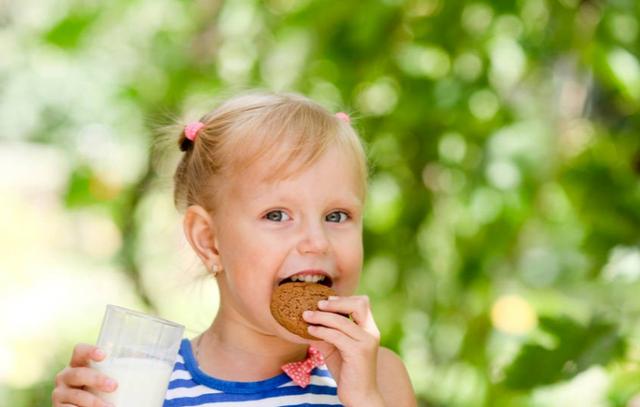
(393, 379)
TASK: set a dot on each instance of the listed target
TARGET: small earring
(215, 269)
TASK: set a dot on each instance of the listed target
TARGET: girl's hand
(72, 382)
(357, 342)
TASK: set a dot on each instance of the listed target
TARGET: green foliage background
(503, 225)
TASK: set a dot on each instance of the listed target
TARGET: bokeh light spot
(468, 66)
(427, 61)
(379, 97)
(484, 104)
(508, 62)
(452, 147)
(503, 174)
(384, 203)
(623, 27)
(476, 17)
(626, 70)
(623, 264)
(513, 315)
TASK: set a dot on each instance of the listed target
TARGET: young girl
(273, 188)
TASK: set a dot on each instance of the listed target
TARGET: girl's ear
(199, 230)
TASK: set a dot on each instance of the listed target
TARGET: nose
(313, 239)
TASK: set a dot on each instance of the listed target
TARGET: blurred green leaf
(68, 32)
(576, 347)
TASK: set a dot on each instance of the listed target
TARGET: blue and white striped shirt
(190, 386)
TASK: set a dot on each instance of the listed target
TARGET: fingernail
(99, 353)
(322, 304)
(307, 314)
(110, 384)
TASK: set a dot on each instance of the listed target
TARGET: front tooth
(309, 278)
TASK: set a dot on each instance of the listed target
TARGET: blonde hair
(289, 128)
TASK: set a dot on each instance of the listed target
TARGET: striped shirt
(190, 386)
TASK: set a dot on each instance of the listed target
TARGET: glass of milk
(141, 351)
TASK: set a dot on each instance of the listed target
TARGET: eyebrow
(355, 202)
(348, 202)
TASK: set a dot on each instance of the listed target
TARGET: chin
(290, 337)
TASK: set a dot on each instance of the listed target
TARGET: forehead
(334, 167)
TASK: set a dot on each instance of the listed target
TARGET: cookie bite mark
(291, 299)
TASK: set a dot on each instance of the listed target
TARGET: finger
(81, 398)
(84, 353)
(357, 306)
(347, 347)
(85, 376)
(336, 321)
(338, 339)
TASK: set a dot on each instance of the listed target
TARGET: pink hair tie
(191, 130)
(344, 117)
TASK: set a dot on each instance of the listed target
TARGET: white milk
(141, 382)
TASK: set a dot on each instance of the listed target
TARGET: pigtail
(184, 143)
(189, 135)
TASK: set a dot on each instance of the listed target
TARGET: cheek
(251, 262)
(242, 250)
(350, 253)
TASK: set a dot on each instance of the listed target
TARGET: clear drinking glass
(141, 350)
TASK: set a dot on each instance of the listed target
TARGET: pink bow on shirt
(300, 372)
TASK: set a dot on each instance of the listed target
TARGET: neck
(232, 349)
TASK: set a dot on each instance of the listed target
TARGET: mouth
(309, 277)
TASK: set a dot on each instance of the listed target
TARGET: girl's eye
(337, 217)
(277, 216)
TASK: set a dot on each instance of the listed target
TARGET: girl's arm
(393, 380)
